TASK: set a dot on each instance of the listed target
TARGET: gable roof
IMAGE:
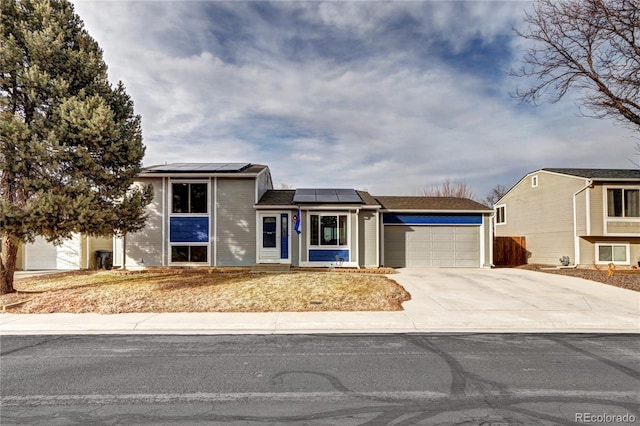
(430, 203)
(598, 174)
(277, 197)
(632, 175)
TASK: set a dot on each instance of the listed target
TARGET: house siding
(144, 248)
(488, 241)
(304, 240)
(597, 210)
(95, 243)
(20, 258)
(544, 214)
(581, 213)
(601, 225)
(354, 251)
(367, 239)
(263, 182)
(295, 239)
(236, 222)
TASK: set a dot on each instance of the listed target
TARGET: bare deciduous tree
(449, 188)
(496, 193)
(592, 46)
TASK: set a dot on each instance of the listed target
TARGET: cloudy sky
(391, 97)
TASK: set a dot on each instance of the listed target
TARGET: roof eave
(437, 210)
(191, 175)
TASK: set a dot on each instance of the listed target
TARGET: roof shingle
(429, 203)
(598, 173)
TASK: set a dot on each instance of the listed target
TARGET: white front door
(269, 237)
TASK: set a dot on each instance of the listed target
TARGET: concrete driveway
(516, 300)
(443, 300)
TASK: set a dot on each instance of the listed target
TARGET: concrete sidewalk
(475, 300)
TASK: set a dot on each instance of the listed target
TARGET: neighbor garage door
(43, 255)
(426, 245)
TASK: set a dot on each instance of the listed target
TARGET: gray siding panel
(367, 244)
(144, 248)
(264, 183)
(236, 222)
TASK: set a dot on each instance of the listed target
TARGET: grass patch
(204, 291)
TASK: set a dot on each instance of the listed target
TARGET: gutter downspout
(357, 245)
(576, 239)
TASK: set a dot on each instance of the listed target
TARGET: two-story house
(591, 216)
(218, 214)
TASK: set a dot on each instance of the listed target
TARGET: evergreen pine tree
(70, 143)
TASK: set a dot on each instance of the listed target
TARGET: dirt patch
(204, 291)
(626, 278)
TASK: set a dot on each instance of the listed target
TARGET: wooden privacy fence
(509, 251)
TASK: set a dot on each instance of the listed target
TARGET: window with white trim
(328, 230)
(189, 254)
(189, 222)
(501, 214)
(623, 202)
(534, 181)
(618, 254)
(189, 197)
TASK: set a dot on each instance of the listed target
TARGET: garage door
(43, 255)
(432, 246)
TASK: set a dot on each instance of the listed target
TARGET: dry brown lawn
(115, 292)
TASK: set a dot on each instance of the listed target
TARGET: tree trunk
(8, 258)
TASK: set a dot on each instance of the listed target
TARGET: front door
(269, 237)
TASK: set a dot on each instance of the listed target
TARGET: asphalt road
(461, 379)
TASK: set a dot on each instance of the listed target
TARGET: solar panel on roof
(326, 195)
(348, 196)
(201, 167)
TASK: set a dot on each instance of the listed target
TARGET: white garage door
(432, 246)
(43, 255)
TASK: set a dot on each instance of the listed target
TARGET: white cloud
(383, 121)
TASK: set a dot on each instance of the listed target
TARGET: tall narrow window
(623, 202)
(314, 230)
(501, 215)
(631, 203)
(343, 231)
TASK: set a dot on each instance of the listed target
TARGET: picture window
(328, 230)
(189, 198)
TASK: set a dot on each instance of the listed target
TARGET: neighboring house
(75, 253)
(590, 215)
(217, 214)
